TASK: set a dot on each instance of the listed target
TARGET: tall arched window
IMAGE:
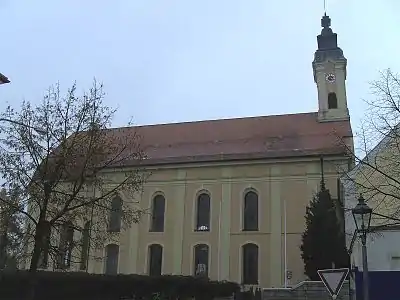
(332, 101)
(85, 245)
(66, 245)
(250, 264)
(158, 212)
(112, 253)
(250, 212)
(115, 215)
(155, 259)
(201, 252)
(203, 213)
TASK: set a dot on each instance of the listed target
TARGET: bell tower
(329, 68)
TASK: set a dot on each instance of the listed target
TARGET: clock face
(330, 77)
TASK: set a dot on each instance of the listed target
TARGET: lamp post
(362, 218)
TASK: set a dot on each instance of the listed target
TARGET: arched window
(85, 245)
(201, 252)
(157, 215)
(45, 228)
(115, 215)
(112, 253)
(332, 101)
(250, 264)
(203, 213)
(250, 212)
(155, 259)
(66, 245)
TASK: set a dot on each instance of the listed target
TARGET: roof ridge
(258, 137)
(211, 120)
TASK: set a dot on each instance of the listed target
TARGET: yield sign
(333, 279)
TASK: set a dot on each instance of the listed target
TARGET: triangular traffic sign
(333, 279)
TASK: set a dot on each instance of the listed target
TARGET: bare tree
(72, 178)
(377, 171)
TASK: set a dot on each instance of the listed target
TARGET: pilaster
(225, 226)
(179, 214)
(276, 267)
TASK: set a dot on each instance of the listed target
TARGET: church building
(228, 197)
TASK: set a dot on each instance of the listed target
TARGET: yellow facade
(292, 181)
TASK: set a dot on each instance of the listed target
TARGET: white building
(383, 243)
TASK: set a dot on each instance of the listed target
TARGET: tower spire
(329, 68)
(325, 21)
(327, 40)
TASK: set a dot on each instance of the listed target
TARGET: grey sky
(181, 60)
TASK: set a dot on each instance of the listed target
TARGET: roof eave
(234, 158)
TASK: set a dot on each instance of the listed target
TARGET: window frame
(196, 248)
(115, 215)
(114, 270)
(201, 226)
(245, 218)
(246, 278)
(332, 97)
(150, 262)
(66, 245)
(155, 224)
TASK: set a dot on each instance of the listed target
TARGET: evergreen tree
(323, 247)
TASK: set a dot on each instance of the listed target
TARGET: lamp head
(362, 215)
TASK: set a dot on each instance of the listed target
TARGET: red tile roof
(243, 138)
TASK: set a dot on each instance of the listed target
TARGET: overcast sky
(182, 60)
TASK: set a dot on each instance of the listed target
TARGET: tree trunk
(37, 248)
(42, 238)
(43, 230)
(3, 244)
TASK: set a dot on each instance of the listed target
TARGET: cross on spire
(325, 21)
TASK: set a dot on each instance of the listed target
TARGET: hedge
(79, 285)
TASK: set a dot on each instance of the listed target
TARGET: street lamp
(3, 79)
(362, 218)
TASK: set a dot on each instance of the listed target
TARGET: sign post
(333, 280)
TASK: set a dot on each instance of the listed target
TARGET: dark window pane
(155, 259)
(250, 212)
(158, 212)
(112, 253)
(66, 245)
(115, 215)
(203, 213)
(85, 246)
(250, 264)
(332, 101)
(201, 260)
